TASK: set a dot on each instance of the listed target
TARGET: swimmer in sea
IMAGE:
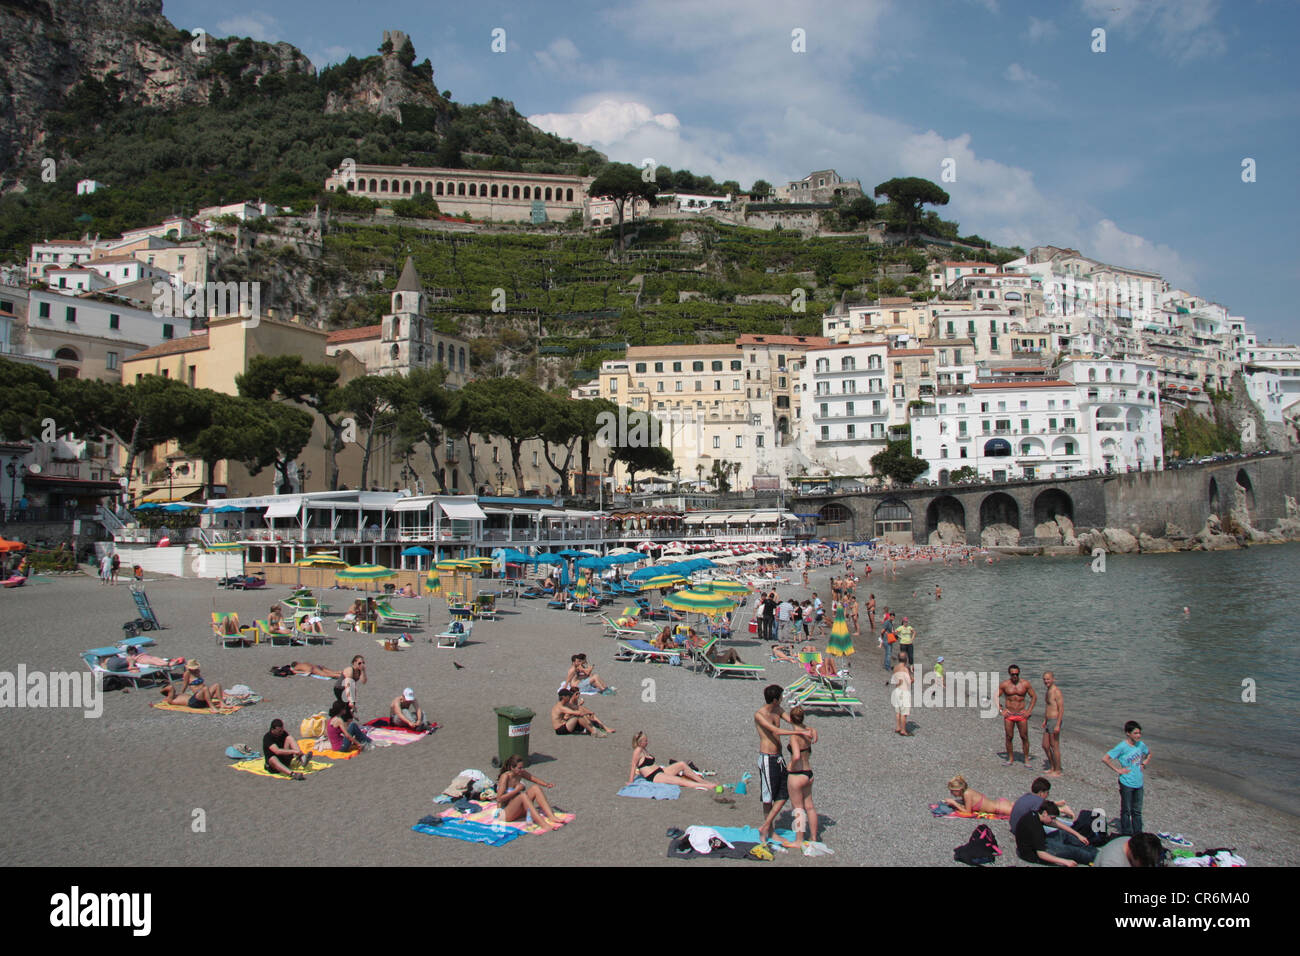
(1015, 712)
(938, 592)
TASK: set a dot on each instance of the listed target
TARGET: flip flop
(241, 752)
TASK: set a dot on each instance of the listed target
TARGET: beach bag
(313, 726)
(891, 637)
(981, 848)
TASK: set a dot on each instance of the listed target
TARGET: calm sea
(1122, 649)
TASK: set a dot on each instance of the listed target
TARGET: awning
(462, 510)
(765, 516)
(737, 519)
(412, 504)
(997, 447)
(284, 508)
(715, 519)
(696, 519)
(176, 492)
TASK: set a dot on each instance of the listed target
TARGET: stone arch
(1052, 503)
(460, 189)
(419, 187)
(528, 192)
(494, 190)
(441, 353)
(944, 508)
(406, 187)
(472, 189)
(428, 187)
(67, 354)
(1244, 483)
(395, 351)
(482, 189)
(842, 522)
(999, 508)
(514, 192)
(383, 185)
(568, 195)
(462, 358)
(893, 519)
(374, 186)
(1215, 499)
(438, 190)
(783, 425)
(547, 197)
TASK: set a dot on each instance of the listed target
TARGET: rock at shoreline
(1146, 544)
(1000, 536)
(1119, 541)
(947, 533)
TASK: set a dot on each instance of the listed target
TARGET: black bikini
(807, 773)
(648, 761)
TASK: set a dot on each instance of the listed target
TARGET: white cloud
(607, 122)
(1109, 243)
(1039, 30)
(1183, 29)
(1018, 74)
(331, 54)
(258, 26)
(560, 56)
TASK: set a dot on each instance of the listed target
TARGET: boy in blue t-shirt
(1127, 758)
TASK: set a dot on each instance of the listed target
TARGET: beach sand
(143, 787)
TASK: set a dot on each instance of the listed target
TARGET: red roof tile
(188, 343)
(359, 334)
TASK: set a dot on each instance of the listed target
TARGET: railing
(31, 515)
(109, 519)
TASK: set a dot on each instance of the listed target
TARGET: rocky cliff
(48, 47)
(388, 82)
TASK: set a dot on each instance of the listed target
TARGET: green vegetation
(897, 462)
(1193, 436)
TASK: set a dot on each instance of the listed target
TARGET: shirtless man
(771, 767)
(1016, 690)
(406, 713)
(1052, 724)
(568, 715)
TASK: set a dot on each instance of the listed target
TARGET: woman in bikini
(516, 798)
(966, 800)
(799, 779)
(678, 774)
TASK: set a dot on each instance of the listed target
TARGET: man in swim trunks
(771, 768)
(1015, 713)
(1052, 724)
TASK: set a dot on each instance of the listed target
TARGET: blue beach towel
(651, 791)
(749, 834)
(467, 830)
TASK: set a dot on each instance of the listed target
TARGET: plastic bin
(514, 725)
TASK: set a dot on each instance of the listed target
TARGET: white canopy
(285, 507)
(462, 510)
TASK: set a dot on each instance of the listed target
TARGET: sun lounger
(306, 634)
(148, 620)
(713, 669)
(390, 618)
(614, 629)
(809, 693)
(243, 636)
(642, 651)
(95, 657)
(456, 634)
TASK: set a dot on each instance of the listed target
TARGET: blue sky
(1132, 155)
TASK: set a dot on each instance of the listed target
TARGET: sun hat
(408, 694)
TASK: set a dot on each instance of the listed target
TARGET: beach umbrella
(224, 509)
(725, 587)
(224, 547)
(318, 561)
(841, 644)
(661, 581)
(7, 545)
(176, 507)
(433, 582)
(580, 592)
(700, 602)
(148, 506)
(364, 572)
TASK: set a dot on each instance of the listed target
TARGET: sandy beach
(127, 788)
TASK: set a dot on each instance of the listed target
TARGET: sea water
(1216, 690)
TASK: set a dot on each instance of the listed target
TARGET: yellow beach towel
(186, 709)
(258, 767)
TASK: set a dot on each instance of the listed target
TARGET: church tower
(407, 334)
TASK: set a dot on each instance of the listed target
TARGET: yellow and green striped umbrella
(365, 572)
(700, 602)
(580, 589)
(841, 644)
(661, 581)
(724, 587)
(433, 582)
(321, 561)
(224, 546)
(479, 562)
(454, 564)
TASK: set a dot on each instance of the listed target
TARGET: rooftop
(359, 334)
(189, 343)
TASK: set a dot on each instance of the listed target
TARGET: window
(697, 366)
(986, 426)
(1024, 424)
(735, 384)
(875, 407)
(640, 367)
(677, 366)
(758, 441)
(735, 365)
(1023, 404)
(848, 387)
(168, 332)
(717, 366)
(963, 452)
(825, 410)
(984, 406)
(114, 320)
(659, 366)
(613, 386)
(1068, 424)
(659, 386)
(534, 459)
(717, 441)
(853, 432)
(993, 343)
(848, 363)
(699, 386)
(1051, 424)
(740, 441)
(678, 386)
(45, 310)
(110, 361)
(70, 314)
(1068, 448)
(848, 409)
(826, 433)
(780, 382)
(956, 357)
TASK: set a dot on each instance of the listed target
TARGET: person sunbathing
(199, 698)
(677, 774)
(275, 621)
(230, 624)
(136, 660)
(787, 652)
(724, 655)
(966, 800)
(568, 716)
(582, 673)
(405, 591)
(313, 670)
(309, 621)
(665, 641)
(516, 799)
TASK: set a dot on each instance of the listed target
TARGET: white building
(87, 186)
(1097, 415)
(846, 405)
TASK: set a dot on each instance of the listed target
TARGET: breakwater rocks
(1235, 530)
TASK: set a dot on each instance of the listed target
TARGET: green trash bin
(514, 724)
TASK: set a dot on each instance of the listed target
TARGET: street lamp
(12, 469)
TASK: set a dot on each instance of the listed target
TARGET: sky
(1125, 129)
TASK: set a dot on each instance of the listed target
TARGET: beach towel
(646, 789)
(483, 814)
(321, 748)
(945, 812)
(186, 709)
(468, 830)
(750, 834)
(392, 735)
(259, 767)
